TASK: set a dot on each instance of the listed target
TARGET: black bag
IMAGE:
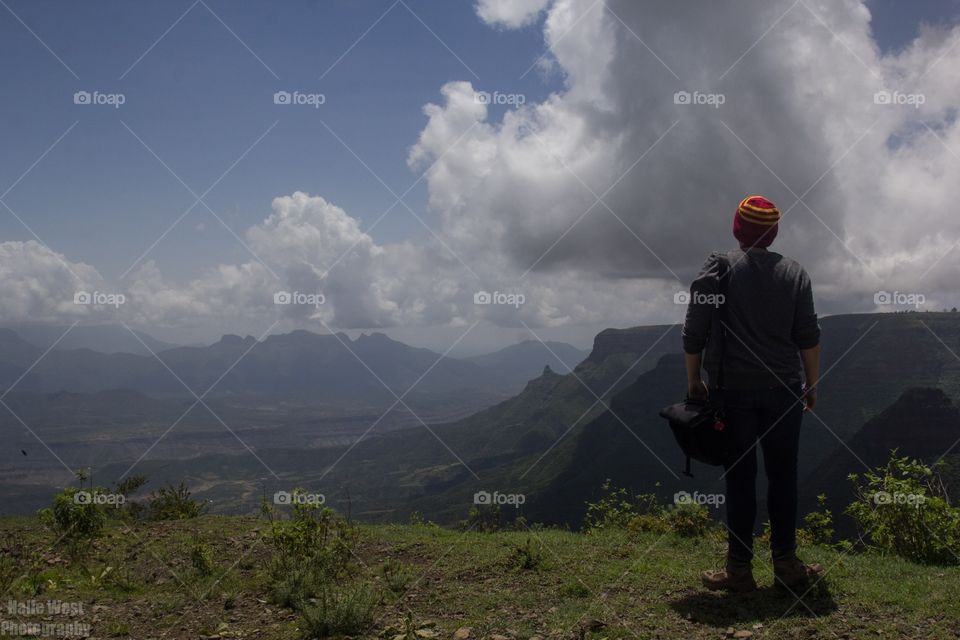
(698, 426)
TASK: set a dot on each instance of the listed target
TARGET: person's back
(770, 346)
(770, 315)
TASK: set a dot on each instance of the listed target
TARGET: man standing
(772, 347)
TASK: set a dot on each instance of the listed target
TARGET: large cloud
(38, 284)
(799, 119)
(515, 199)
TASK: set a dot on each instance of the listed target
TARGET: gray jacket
(770, 317)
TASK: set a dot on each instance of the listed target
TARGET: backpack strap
(720, 312)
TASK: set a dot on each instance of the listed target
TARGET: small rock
(743, 634)
(425, 633)
(463, 633)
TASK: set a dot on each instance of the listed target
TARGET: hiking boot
(790, 572)
(737, 576)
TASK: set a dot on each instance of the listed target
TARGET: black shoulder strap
(720, 311)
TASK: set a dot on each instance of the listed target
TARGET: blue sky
(198, 80)
(199, 99)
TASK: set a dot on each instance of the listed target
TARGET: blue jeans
(773, 417)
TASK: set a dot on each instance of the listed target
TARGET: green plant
(818, 527)
(174, 503)
(687, 519)
(309, 550)
(95, 578)
(617, 509)
(75, 515)
(340, 611)
(200, 558)
(395, 575)
(527, 556)
(575, 590)
(131, 509)
(904, 508)
(482, 519)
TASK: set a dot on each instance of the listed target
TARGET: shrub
(904, 508)
(131, 509)
(616, 509)
(174, 503)
(482, 519)
(818, 527)
(396, 577)
(340, 611)
(643, 513)
(72, 517)
(687, 519)
(200, 558)
(309, 552)
(527, 556)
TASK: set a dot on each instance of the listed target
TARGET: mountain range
(889, 380)
(301, 364)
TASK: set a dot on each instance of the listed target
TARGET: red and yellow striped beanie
(756, 222)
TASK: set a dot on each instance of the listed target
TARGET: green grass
(553, 584)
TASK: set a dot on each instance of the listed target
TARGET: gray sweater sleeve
(696, 326)
(806, 329)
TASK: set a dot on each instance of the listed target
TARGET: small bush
(643, 513)
(818, 527)
(616, 508)
(310, 551)
(73, 517)
(340, 611)
(131, 510)
(174, 503)
(904, 508)
(482, 519)
(527, 556)
(687, 519)
(396, 577)
(200, 558)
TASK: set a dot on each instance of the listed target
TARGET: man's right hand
(809, 399)
(697, 390)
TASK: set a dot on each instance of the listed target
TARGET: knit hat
(756, 222)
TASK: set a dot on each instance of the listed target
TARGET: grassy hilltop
(207, 577)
